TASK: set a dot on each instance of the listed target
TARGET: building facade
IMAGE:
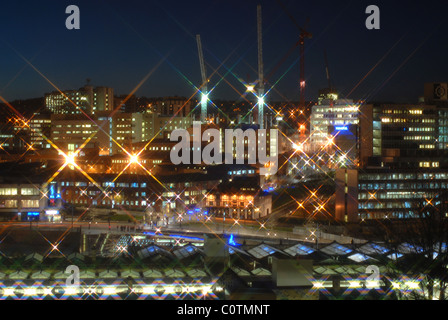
(87, 99)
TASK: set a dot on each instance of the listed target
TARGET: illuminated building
(157, 126)
(70, 132)
(327, 96)
(86, 99)
(407, 135)
(40, 128)
(137, 128)
(409, 164)
(173, 106)
(396, 194)
(126, 129)
(25, 195)
(240, 198)
(338, 114)
(331, 124)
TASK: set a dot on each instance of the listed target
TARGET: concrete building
(338, 113)
(408, 165)
(173, 106)
(40, 131)
(70, 132)
(127, 128)
(332, 118)
(87, 99)
(157, 126)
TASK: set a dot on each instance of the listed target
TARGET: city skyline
(119, 46)
(187, 151)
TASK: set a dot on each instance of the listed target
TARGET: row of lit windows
(108, 202)
(345, 109)
(104, 184)
(23, 191)
(400, 186)
(418, 137)
(24, 203)
(390, 195)
(429, 164)
(406, 120)
(388, 205)
(74, 126)
(403, 176)
(426, 129)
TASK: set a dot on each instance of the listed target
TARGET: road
(246, 229)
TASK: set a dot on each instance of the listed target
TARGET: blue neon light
(231, 241)
(344, 128)
(185, 237)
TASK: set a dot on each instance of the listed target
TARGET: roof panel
(372, 248)
(336, 249)
(299, 249)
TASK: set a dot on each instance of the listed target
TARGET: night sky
(121, 42)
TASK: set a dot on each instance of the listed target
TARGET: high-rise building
(408, 167)
(84, 100)
(341, 121)
(409, 136)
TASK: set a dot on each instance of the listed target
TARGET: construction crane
(304, 34)
(260, 69)
(330, 87)
(204, 87)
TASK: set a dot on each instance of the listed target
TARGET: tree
(424, 235)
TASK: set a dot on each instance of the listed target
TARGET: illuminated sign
(52, 212)
(231, 241)
(343, 128)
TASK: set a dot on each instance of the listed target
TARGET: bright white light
(297, 147)
(70, 159)
(70, 291)
(8, 292)
(250, 88)
(109, 291)
(412, 285)
(148, 290)
(372, 284)
(355, 284)
(260, 101)
(204, 98)
(133, 159)
(30, 291)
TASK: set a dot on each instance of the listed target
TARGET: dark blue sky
(120, 42)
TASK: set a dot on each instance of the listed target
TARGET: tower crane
(204, 86)
(304, 34)
(260, 69)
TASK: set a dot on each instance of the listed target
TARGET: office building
(70, 132)
(87, 99)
